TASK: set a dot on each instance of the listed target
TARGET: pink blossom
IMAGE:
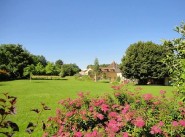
(175, 123)
(99, 102)
(91, 109)
(113, 126)
(113, 114)
(182, 123)
(78, 134)
(139, 122)
(117, 94)
(161, 123)
(155, 130)
(162, 92)
(147, 96)
(104, 107)
(126, 108)
(100, 116)
(69, 114)
(125, 134)
(81, 94)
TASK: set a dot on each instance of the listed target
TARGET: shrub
(7, 107)
(4, 75)
(124, 114)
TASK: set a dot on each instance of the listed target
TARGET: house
(85, 72)
(111, 72)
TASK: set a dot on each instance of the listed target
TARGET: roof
(113, 66)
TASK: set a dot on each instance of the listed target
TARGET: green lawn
(31, 94)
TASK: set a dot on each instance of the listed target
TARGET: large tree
(13, 59)
(142, 61)
(69, 70)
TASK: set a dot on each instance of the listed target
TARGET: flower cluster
(126, 114)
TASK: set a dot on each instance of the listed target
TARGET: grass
(31, 94)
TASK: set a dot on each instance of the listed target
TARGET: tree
(39, 69)
(69, 70)
(142, 61)
(96, 69)
(39, 59)
(175, 60)
(58, 65)
(29, 70)
(13, 59)
(50, 68)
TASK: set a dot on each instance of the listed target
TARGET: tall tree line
(16, 62)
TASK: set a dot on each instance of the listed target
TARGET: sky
(78, 31)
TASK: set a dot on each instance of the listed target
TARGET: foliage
(58, 65)
(45, 77)
(101, 65)
(39, 59)
(175, 59)
(69, 70)
(39, 69)
(7, 107)
(4, 75)
(143, 61)
(50, 69)
(126, 114)
(29, 70)
(96, 69)
(82, 78)
(32, 126)
(13, 59)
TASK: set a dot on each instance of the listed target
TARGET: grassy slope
(31, 94)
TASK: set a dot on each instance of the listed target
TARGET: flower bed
(127, 114)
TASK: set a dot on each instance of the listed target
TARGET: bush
(4, 75)
(126, 114)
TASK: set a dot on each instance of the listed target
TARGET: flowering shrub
(7, 107)
(126, 114)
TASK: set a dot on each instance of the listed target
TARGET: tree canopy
(69, 70)
(13, 59)
(143, 60)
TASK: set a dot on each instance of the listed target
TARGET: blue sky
(78, 31)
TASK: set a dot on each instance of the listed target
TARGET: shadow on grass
(44, 80)
(153, 85)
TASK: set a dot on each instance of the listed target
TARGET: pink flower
(81, 94)
(161, 123)
(100, 116)
(155, 130)
(104, 108)
(91, 109)
(147, 96)
(126, 108)
(139, 122)
(182, 123)
(69, 114)
(113, 114)
(113, 126)
(125, 134)
(162, 92)
(175, 123)
(78, 134)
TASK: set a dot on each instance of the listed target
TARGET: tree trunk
(95, 78)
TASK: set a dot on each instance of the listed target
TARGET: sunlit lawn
(31, 94)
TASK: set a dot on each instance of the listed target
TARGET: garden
(69, 107)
